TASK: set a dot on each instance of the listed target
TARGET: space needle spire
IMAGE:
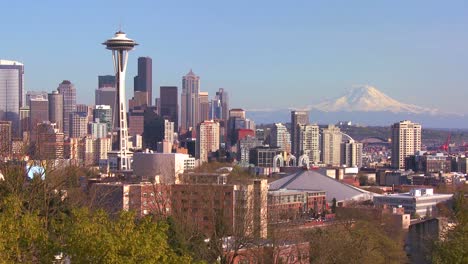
(120, 156)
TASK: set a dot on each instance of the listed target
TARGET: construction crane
(446, 146)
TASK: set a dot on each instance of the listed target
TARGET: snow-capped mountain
(364, 105)
(367, 98)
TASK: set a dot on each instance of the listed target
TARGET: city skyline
(301, 50)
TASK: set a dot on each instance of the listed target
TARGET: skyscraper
(204, 107)
(207, 139)
(169, 108)
(190, 101)
(67, 89)
(78, 124)
(50, 142)
(107, 96)
(103, 114)
(280, 137)
(406, 140)
(39, 114)
(56, 109)
(220, 106)
(308, 142)
(351, 154)
(11, 92)
(106, 81)
(297, 118)
(331, 144)
(143, 82)
(120, 158)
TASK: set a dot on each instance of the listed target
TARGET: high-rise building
(169, 106)
(5, 139)
(204, 106)
(78, 124)
(11, 92)
(308, 142)
(406, 140)
(106, 81)
(190, 101)
(56, 109)
(331, 145)
(106, 96)
(351, 154)
(103, 114)
(25, 121)
(39, 113)
(169, 131)
(297, 118)
(143, 82)
(67, 89)
(34, 95)
(244, 146)
(280, 137)
(136, 121)
(98, 130)
(87, 109)
(119, 159)
(207, 139)
(50, 142)
(220, 106)
(237, 112)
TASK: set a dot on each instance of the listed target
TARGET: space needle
(119, 159)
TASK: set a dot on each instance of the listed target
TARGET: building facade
(56, 109)
(351, 154)
(406, 140)
(331, 145)
(78, 124)
(169, 105)
(207, 139)
(308, 142)
(190, 101)
(297, 118)
(11, 92)
(143, 82)
(280, 137)
(68, 90)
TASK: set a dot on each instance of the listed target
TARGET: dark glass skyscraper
(169, 104)
(143, 82)
(106, 81)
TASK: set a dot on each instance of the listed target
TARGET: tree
(452, 247)
(333, 207)
(92, 237)
(358, 242)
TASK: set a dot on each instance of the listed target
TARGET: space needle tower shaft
(120, 156)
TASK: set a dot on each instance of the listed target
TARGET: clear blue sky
(265, 53)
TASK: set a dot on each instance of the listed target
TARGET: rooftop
(10, 62)
(309, 180)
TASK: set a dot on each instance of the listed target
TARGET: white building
(168, 166)
(351, 154)
(406, 140)
(207, 139)
(331, 143)
(308, 142)
(280, 137)
(418, 201)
